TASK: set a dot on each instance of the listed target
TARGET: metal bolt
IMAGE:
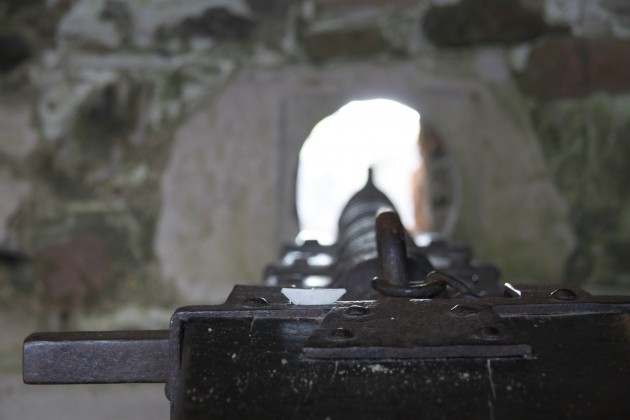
(463, 310)
(255, 301)
(564, 294)
(490, 333)
(355, 311)
(340, 334)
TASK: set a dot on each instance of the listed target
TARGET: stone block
(478, 22)
(219, 23)
(109, 24)
(609, 64)
(354, 42)
(585, 142)
(14, 50)
(556, 69)
(337, 8)
(576, 67)
(73, 272)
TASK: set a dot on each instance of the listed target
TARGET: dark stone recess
(10, 8)
(618, 7)
(573, 67)
(609, 64)
(14, 50)
(218, 22)
(475, 22)
(340, 8)
(118, 12)
(353, 42)
(556, 69)
(269, 8)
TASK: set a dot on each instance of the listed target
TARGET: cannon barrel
(374, 256)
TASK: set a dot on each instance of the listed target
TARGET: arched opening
(381, 134)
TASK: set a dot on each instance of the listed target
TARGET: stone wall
(159, 139)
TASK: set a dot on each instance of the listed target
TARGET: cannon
(373, 326)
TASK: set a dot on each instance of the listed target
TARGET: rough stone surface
(72, 272)
(222, 93)
(170, 132)
(13, 192)
(556, 68)
(108, 24)
(203, 243)
(218, 231)
(473, 22)
(609, 64)
(340, 8)
(586, 144)
(354, 42)
(589, 19)
(14, 50)
(17, 138)
(576, 67)
(492, 67)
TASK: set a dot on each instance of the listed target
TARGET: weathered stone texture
(14, 50)
(140, 125)
(609, 64)
(218, 230)
(340, 8)
(210, 233)
(473, 22)
(110, 24)
(353, 42)
(587, 146)
(72, 272)
(577, 67)
(13, 192)
(556, 68)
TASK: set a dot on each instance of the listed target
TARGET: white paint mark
(251, 325)
(313, 296)
(494, 392)
(377, 368)
(332, 378)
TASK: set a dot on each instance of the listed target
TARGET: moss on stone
(587, 147)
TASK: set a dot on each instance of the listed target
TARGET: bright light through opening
(334, 161)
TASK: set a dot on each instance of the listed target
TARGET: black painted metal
(476, 350)
(367, 249)
(519, 358)
(392, 249)
(259, 356)
(96, 357)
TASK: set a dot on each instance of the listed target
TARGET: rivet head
(255, 301)
(564, 294)
(490, 333)
(340, 334)
(463, 310)
(356, 310)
